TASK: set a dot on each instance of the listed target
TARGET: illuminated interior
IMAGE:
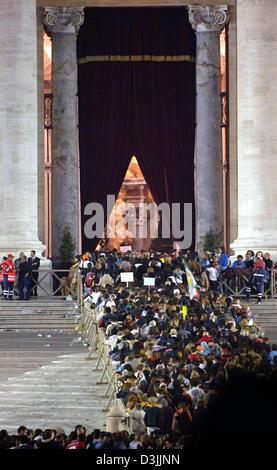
(134, 187)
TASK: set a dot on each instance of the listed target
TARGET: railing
(232, 287)
(96, 339)
(52, 276)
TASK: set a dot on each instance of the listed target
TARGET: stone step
(21, 308)
(26, 304)
(27, 321)
(38, 327)
(44, 375)
(50, 319)
(28, 314)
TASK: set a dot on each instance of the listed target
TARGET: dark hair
(96, 433)
(21, 429)
(47, 433)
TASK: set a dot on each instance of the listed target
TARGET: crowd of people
(176, 350)
(212, 271)
(19, 276)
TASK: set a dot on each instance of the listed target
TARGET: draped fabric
(136, 85)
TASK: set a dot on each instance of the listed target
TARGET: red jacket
(8, 267)
(1, 272)
(204, 338)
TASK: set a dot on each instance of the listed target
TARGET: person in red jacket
(9, 271)
(2, 274)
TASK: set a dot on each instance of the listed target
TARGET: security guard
(2, 274)
(9, 277)
(256, 280)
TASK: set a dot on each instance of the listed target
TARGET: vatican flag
(185, 311)
(193, 291)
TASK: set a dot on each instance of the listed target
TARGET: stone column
(63, 25)
(256, 117)
(18, 128)
(207, 21)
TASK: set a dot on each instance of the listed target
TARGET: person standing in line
(24, 278)
(223, 259)
(9, 277)
(35, 264)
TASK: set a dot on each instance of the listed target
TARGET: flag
(185, 311)
(193, 291)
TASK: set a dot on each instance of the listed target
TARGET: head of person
(80, 431)
(107, 437)
(259, 254)
(23, 259)
(169, 442)
(49, 435)
(240, 258)
(22, 431)
(30, 434)
(10, 257)
(267, 256)
(221, 250)
(33, 253)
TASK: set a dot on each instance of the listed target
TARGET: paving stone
(42, 385)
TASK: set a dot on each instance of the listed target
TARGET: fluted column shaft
(207, 22)
(63, 25)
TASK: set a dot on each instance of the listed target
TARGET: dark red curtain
(142, 108)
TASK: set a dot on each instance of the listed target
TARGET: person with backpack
(182, 420)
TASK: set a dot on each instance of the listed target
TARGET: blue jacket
(223, 259)
(258, 274)
(237, 264)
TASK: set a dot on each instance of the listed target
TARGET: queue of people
(20, 276)
(80, 439)
(176, 350)
(250, 274)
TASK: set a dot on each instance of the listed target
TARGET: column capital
(63, 19)
(208, 18)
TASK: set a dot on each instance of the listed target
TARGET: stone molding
(208, 18)
(63, 19)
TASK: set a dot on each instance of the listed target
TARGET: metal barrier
(53, 274)
(232, 288)
(96, 339)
